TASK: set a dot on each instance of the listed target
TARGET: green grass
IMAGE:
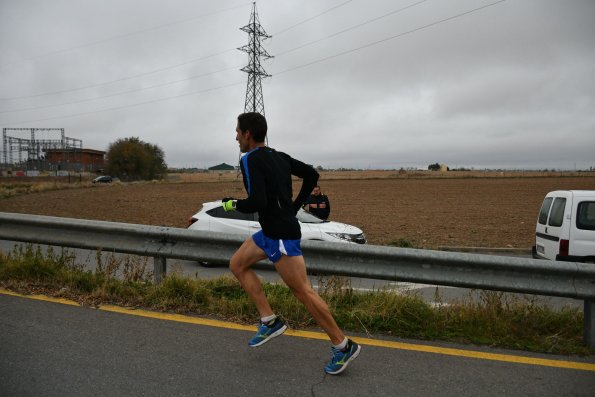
(485, 318)
(401, 242)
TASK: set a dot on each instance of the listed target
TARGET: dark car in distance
(103, 179)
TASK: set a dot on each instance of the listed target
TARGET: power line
(126, 106)
(121, 93)
(121, 79)
(388, 38)
(2, 67)
(311, 18)
(155, 70)
(351, 28)
(282, 72)
(163, 68)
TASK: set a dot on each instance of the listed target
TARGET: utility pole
(254, 101)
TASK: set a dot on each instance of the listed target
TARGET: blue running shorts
(275, 248)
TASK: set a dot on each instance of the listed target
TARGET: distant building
(74, 159)
(222, 167)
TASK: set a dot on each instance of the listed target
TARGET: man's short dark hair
(256, 123)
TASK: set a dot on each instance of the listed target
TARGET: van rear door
(550, 225)
(582, 236)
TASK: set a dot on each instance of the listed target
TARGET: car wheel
(209, 264)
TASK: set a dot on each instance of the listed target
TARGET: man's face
(242, 138)
(316, 191)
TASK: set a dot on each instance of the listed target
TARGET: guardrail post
(589, 323)
(159, 268)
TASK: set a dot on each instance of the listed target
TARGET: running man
(267, 179)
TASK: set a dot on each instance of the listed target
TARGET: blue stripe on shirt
(246, 171)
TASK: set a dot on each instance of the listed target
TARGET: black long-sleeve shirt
(267, 179)
(319, 206)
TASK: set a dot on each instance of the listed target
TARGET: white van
(566, 227)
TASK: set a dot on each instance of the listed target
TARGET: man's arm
(257, 198)
(327, 209)
(309, 179)
(306, 205)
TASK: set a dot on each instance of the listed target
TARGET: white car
(213, 218)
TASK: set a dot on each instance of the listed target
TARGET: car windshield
(306, 217)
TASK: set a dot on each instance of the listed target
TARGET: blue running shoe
(341, 358)
(267, 331)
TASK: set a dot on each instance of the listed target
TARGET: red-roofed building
(76, 159)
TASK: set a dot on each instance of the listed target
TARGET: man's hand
(228, 204)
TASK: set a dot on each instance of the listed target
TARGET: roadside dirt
(479, 212)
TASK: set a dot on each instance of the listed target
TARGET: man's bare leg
(292, 270)
(240, 265)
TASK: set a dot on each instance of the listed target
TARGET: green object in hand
(229, 205)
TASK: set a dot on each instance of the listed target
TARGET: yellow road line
(319, 335)
(40, 298)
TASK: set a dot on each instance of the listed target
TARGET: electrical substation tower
(14, 148)
(254, 101)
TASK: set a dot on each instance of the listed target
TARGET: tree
(157, 165)
(434, 167)
(133, 159)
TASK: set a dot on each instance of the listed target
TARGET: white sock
(341, 345)
(267, 319)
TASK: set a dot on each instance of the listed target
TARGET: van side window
(585, 218)
(557, 215)
(545, 209)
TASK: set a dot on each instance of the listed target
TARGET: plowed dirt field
(478, 212)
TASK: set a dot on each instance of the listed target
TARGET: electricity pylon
(254, 101)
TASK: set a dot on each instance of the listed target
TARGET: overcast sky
(360, 83)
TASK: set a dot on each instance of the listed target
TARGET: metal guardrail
(501, 273)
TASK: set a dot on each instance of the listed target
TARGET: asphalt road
(53, 349)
